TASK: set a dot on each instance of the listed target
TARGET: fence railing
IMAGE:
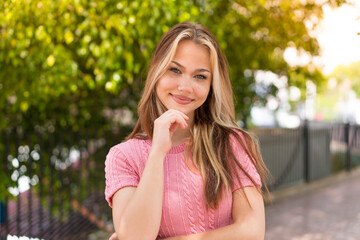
(52, 183)
(310, 152)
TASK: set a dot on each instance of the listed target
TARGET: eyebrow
(197, 70)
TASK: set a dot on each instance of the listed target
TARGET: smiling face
(186, 82)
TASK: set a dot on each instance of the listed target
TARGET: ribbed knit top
(184, 206)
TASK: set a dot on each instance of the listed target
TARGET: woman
(187, 171)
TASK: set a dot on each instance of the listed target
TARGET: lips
(181, 99)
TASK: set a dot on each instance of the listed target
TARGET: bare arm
(137, 211)
(249, 222)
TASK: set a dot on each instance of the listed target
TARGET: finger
(113, 236)
(173, 127)
(178, 112)
(184, 125)
(183, 118)
(183, 115)
(179, 120)
(174, 117)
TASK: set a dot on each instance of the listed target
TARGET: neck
(182, 135)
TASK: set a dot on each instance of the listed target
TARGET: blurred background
(72, 73)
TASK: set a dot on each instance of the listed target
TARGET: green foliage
(346, 77)
(350, 72)
(326, 104)
(255, 34)
(63, 63)
(298, 77)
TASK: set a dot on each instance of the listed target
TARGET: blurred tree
(255, 34)
(69, 63)
(62, 63)
(350, 72)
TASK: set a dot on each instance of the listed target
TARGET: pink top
(184, 206)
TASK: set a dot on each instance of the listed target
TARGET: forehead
(193, 54)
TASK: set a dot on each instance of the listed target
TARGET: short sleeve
(119, 173)
(246, 163)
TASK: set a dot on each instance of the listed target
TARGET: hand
(164, 128)
(113, 236)
(175, 238)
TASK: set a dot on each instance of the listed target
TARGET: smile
(181, 99)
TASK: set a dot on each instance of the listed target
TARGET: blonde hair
(212, 153)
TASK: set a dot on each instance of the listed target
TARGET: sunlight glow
(338, 36)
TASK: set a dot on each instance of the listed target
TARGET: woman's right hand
(164, 128)
(113, 236)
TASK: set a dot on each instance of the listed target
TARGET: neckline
(174, 149)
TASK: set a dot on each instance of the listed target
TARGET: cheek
(164, 84)
(203, 91)
(160, 87)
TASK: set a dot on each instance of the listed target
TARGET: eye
(200, 76)
(175, 70)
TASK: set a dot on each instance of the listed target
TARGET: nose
(184, 84)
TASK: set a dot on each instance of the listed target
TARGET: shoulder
(128, 146)
(129, 149)
(242, 144)
(238, 136)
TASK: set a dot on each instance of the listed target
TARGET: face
(186, 82)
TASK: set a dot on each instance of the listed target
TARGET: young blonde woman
(187, 171)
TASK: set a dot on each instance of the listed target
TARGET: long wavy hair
(214, 121)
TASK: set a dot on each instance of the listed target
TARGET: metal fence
(52, 183)
(310, 152)
(63, 173)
